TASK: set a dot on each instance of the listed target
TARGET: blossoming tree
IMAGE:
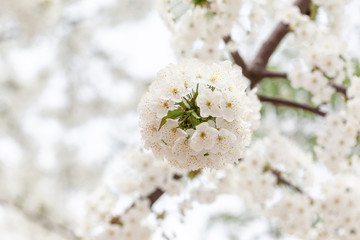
(210, 126)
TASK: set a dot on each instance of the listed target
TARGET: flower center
(203, 135)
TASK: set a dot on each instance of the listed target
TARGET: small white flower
(204, 137)
(224, 141)
(162, 106)
(209, 103)
(174, 87)
(231, 107)
(169, 132)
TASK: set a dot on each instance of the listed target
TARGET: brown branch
(154, 196)
(283, 75)
(237, 58)
(339, 88)
(42, 221)
(281, 180)
(270, 45)
(256, 71)
(288, 103)
(274, 74)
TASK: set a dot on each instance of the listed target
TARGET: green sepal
(194, 173)
(185, 118)
(196, 94)
(194, 121)
(313, 11)
(199, 2)
(195, 115)
(190, 103)
(161, 216)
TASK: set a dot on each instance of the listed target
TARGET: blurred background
(71, 75)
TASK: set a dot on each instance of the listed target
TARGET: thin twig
(287, 103)
(274, 74)
(283, 75)
(282, 181)
(339, 88)
(237, 58)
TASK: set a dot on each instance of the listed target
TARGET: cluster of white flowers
(146, 174)
(198, 26)
(104, 221)
(199, 115)
(26, 16)
(255, 177)
(335, 141)
(323, 59)
(293, 215)
(334, 10)
(275, 154)
(353, 93)
(338, 214)
(334, 215)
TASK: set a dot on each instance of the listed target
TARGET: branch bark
(275, 74)
(256, 71)
(270, 45)
(287, 103)
(282, 181)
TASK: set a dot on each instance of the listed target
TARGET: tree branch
(237, 58)
(281, 180)
(42, 221)
(339, 88)
(270, 45)
(275, 74)
(256, 71)
(287, 103)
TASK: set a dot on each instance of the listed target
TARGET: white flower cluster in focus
(199, 115)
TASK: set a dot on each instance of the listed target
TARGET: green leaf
(199, 2)
(174, 114)
(181, 104)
